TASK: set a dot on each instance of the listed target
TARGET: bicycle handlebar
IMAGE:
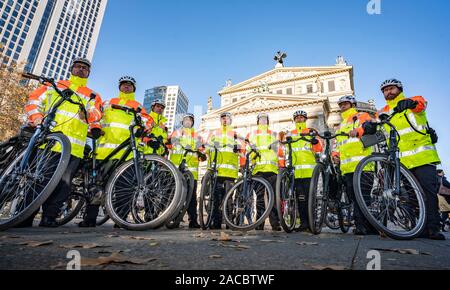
(188, 150)
(64, 96)
(328, 136)
(127, 110)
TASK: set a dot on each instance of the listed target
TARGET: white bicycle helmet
(263, 115)
(128, 79)
(159, 102)
(300, 113)
(392, 82)
(350, 99)
(226, 114)
(188, 115)
(81, 60)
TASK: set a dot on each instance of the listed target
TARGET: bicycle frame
(290, 167)
(182, 166)
(391, 149)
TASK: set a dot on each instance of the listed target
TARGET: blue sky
(199, 44)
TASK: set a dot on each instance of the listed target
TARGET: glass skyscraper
(177, 104)
(46, 35)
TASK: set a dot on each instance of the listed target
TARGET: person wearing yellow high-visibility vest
(187, 137)
(158, 128)
(72, 123)
(115, 126)
(229, 160)
(304, 162)
(266, 142)
(350, 151)
(417, 151)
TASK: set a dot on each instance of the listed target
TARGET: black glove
(289, 139)
(202, 156)
(138, 133)
(236, 149)
(96, 133)
(314, 141)
(67, 93)
(370, 128)
(405, 105)
(154, 144)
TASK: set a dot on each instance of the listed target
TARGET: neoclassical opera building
(282, 91)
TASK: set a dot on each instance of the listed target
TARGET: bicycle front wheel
(317, 202)
(24, 190)
(286, 201)
(206, 202)
(147, 206)
(248, 204)
(400, 215)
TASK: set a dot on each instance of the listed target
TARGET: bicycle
(249, 202)
(190, 183)
(389, 195)
(36, 171)
(327, 190)
(144, 192)
(206, 201)
(286, 197)
(209, 187)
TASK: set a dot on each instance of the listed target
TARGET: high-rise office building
(47, 35)
(177, 103)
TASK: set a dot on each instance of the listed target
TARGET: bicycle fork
(138, 169)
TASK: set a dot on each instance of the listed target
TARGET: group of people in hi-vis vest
(111, 127)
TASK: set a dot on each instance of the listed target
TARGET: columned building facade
(282, 91)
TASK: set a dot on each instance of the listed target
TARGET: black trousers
(426, 175)
(223, 185)
(302, 186)
(273, 217)
(360, 221)
(192, 208)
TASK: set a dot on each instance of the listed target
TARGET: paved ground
(185, 249)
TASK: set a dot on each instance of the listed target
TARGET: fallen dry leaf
(326, 267)
(307, 243)
(200, 235)
(237, 247)
(35, 244)
(404, 251)
(10, 237)
(215, 257)
(113, 236)
(153, 244)
(68, 233)
(237, 234)
(271, 241)
(84, 246)
(115, 258)
(138, 238)
(59, 265)
(109, 252)
(224, 237)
